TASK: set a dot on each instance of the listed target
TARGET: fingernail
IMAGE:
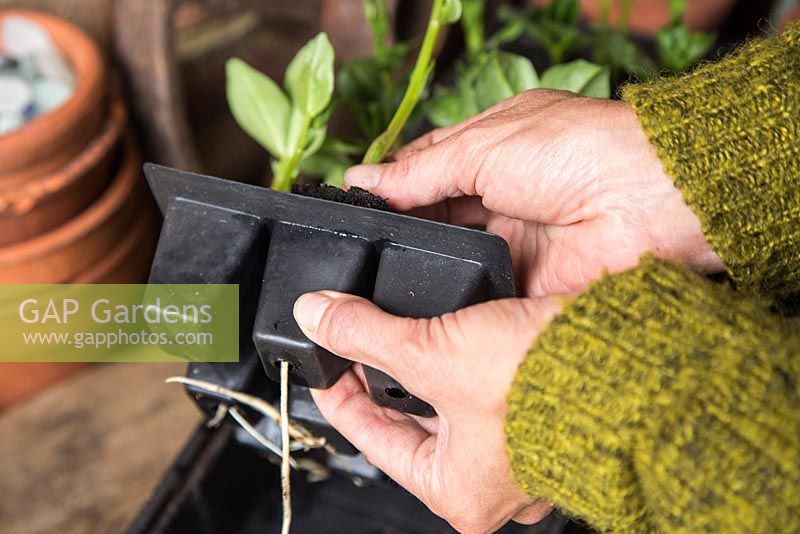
(309, 308)
(365, 176)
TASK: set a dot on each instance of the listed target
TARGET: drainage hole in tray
(396, 393)
(277, 365)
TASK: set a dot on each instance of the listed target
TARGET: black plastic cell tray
(277, 246)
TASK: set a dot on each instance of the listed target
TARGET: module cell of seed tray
(277, 246)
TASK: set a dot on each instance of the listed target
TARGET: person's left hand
(461, 363)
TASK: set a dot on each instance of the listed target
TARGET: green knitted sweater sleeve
(729, 135)
(661, 402)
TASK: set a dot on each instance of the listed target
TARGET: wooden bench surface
(84, 455)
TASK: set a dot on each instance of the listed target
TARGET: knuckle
(426, 353)
(415, 343)
(423, 338)
(402, 169)
(340, 325)
(425, 335)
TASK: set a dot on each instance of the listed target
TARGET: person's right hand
(572, 183)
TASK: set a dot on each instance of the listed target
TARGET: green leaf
(613, 48)
(342, 147)
(491, 84)
(451, 11)
(579, 76)
(326, 165)
(316, 136)
(678, 48)
(519, 72)
(558, 39)
(502, 76)
(259, 106)
(564, 11)
(553, 27)
(445, 109)
(510, 32)
(472, 24)
(358, 83)
(309, 77)
(334, 157)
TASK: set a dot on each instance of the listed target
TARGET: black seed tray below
(218, 485)
(277, 246)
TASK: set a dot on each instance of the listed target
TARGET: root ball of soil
(354, 196)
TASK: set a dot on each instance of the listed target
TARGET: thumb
(443, 170)
(358, 330)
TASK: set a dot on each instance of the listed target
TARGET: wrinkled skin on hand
(574, 186)
(463, 364)
(572, 183)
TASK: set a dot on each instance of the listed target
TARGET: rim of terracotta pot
(20, 197)
(60, 254)
(34, 206)
(44, 142)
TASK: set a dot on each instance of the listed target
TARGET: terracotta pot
(647, 16)
(45, 144)
(59, 255)
(36, 205)
(20, 380)
(129, 261)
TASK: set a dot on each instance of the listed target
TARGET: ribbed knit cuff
(729, 135)
(636, 385)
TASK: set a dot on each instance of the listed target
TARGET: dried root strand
(297, 432)
(286, 489)
(289, 431)
(250, 429)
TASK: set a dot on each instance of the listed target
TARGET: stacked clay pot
(73, 204)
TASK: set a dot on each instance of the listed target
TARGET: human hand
(463, 364)
(572, 183)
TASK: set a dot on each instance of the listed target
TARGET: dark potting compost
(355, 196)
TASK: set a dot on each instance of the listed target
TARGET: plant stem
(605, 10)
(380, 36)
(286, 169)
(416, 85)
(625, 14)
(677, 8)
(556, 55)
(472, 25)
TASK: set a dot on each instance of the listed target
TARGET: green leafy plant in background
(554, 27)
(443, 12)
(488, 75)
(679, 48)
(613, 46)
(380, 102)
(290, 125)
(370, 89)
(486, 79)
(381, 95)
